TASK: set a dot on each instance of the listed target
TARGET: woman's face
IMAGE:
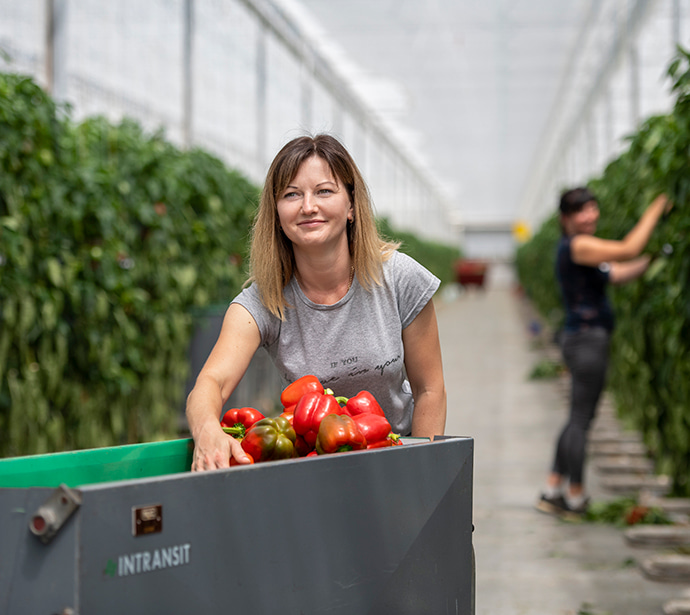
(583, 222)
(315, 207)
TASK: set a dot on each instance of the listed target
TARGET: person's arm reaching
(629, 270)
(238, 341)
(592, 251)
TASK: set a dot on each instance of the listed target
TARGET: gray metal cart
(377, 532)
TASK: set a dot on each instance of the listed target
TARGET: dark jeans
(586, 354)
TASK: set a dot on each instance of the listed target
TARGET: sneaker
(576, 512)
(552, 506)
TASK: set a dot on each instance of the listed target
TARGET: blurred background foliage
(436, 257)
(110, 240)
(650, 363)
(108, 237)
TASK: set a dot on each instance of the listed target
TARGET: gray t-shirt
(355, 344)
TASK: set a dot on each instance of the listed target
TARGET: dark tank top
(583, 290)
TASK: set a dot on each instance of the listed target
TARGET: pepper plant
(108, 238)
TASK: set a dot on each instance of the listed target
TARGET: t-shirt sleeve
(415, 285)
(269, 325)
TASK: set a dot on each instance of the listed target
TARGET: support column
(590, 143)
(634, 86)
(307, 95)
(56, 52)
(188, 75)
(261, 95)
(609, 131)
(634, 59)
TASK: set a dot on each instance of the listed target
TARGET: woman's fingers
(216, 454)
(237, 453)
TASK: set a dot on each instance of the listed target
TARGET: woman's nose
(309, 203)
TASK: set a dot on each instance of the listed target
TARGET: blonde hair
(272, 261)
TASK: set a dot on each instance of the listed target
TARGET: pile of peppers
(313, 422)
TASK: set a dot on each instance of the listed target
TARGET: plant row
(650, 362)
(108, 238)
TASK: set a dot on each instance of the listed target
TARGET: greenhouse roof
(475, 86)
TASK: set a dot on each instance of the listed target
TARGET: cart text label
(148, 561)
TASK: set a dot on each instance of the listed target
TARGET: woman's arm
(425, 372)
(592, 251)
(238, 341)
(629, 270)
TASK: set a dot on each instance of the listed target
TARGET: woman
(328, 297)
(585, 264)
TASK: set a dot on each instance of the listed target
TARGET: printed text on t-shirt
(343, 362)
(383, 366)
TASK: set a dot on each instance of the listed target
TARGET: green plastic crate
(99, 465)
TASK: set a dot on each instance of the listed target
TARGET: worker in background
(585, 265)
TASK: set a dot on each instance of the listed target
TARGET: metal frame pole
(261, 95)
(307, 93)
(56, 18)
(50, 45)
(634, 59)
(188, 75)
(675, 22)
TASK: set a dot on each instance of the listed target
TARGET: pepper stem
(237, 431)
(341, 400)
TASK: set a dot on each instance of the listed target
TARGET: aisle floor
(527, 563)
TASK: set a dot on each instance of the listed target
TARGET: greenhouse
(393, 296)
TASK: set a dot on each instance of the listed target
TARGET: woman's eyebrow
(326, 181)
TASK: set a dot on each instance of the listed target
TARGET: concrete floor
(527, 563)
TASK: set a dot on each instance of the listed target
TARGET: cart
(470, 272)
(130, 530)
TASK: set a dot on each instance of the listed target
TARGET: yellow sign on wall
(521, 231)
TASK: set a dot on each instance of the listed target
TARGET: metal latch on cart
(54, 512)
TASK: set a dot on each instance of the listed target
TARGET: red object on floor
(470, 272)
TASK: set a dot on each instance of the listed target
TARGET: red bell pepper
(270, 439)
(293, 392)
(236, 421)
(339, 433)
(364, 403)
(234, 462)
(302, 447)
(310, 411)
(374, 427)
(289, 414)
(392, 440)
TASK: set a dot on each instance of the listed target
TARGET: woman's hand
(213, 449)
(238, 340)
(668, 205)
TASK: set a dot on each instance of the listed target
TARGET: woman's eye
(289, 195)
(325, 191)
